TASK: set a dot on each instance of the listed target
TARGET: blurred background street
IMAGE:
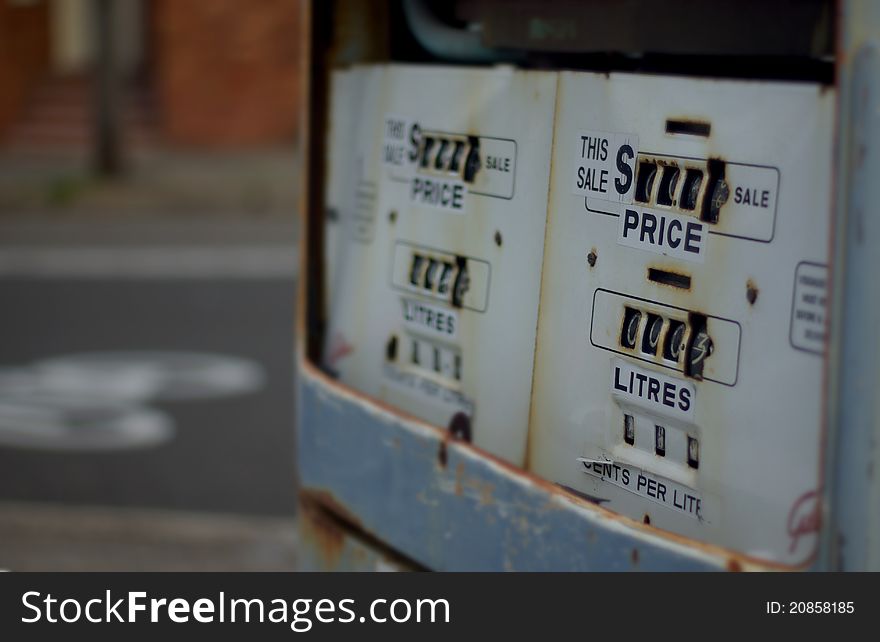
(148, 229)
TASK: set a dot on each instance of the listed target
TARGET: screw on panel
(392, 216)
(591, 258)
(497, 238)
(751, 293)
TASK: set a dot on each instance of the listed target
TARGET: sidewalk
(158, 185)
(171, 208)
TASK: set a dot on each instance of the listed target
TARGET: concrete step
(60, 115)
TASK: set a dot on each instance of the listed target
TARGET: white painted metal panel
(733, 438)
(436, 303)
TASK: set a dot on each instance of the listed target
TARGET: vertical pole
(107, 136)
(851, 522)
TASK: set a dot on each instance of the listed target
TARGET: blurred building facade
(200, 73)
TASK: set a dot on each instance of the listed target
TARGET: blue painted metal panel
(325, 544)
(386, 474)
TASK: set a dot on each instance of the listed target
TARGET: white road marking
(98, 401)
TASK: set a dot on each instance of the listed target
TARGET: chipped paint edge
(315, 386)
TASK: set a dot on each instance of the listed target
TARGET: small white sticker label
(364, 214)
(750, 210)
(605, 165)
(752, 187)
(497, 170)
(429, 319)
(440, 193)
(655, 393)
(644, 484)
(680, 237)
(396, 148)
(809, 307)
(432, 391)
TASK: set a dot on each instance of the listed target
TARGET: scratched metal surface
(326, 544)
(386, 475)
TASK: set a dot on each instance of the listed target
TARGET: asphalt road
(232, 453)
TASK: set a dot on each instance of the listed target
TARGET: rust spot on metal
(479, 489)
(734, 566)
(320, 529)
(498, 239)
(334, 530)
(442, 455)
(328, 501)
(634, 557)
(485, 490)
(646, 519)
(591, 257)
(392, 216)
(751, 292)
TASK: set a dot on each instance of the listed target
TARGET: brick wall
(227, 71)
(24, 55)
